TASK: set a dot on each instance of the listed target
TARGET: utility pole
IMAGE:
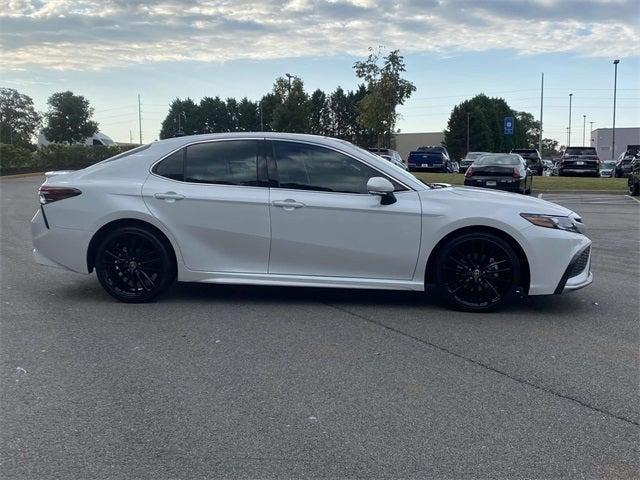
(569, 128)
(130, 136)
(468, 115)
(261, 122)
(584, 128)
(541, 104)
(591, 134)
(615, 86)
(140, 118)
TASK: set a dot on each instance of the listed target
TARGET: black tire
(133, 265)
(477, 272)
(634, 188)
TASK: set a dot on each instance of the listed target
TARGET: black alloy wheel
(477, 272)
(133, 265)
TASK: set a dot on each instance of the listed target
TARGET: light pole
(468, 115)
(591, 134)
(584, 128)
(569, 127)
(289, 77)
(615, 87)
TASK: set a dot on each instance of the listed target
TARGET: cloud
(100, 34)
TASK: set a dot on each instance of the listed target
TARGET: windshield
(474, 155)
(609, 164)
(498, 160)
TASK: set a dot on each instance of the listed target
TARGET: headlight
(553, 221)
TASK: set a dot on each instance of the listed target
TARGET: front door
(324, 223)
(209, 196)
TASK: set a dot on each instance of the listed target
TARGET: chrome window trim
(305, 142)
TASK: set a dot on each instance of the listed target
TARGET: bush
(54, 157)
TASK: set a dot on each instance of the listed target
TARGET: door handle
(288, 204)
(169, 196)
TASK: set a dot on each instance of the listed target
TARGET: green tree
(527, 130)
(317, 109)
(340, 115)
(18, 118)
(386, 90)
(267, 107)
(550, 148)
(486, 127)
(69, 118)
(184, 118)
(362, 136)
(232, 111)
(213, 115)
(292, 113)
(248, 116)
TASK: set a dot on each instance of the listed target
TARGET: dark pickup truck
(533, 159)
(577, 161)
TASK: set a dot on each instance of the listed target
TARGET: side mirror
(382, 187)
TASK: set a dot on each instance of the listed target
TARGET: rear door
(324, 223)
(211, 196)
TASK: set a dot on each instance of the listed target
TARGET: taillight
(469, 172)
(50, 194)
(515, 173)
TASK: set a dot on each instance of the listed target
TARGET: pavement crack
(485, 366)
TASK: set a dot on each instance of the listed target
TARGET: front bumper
(578, 273)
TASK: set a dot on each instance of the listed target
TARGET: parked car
(393, 155)
(468, 160)
(634, 178)
(299, 210)
(434, 158)
(623, 165)
(577, 161)
(393, 160)
(532, 157)
(502, 171)
(607, 168)
(547, 165)
(454, 166)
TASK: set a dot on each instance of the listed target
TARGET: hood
(522, 203)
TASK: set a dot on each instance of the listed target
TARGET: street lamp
(289, 77)
(591, 134)
(569, 127)
(468, 115)
(584, 128)
(615, 87)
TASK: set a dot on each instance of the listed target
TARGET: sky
(112, 50)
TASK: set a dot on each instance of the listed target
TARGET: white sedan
(300, 210)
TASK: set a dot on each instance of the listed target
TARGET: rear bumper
(59, 247)
(507, 184)
(420, 168)
(579, 171)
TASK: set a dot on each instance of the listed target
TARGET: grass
(542, 184)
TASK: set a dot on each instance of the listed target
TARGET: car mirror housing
(382, 187)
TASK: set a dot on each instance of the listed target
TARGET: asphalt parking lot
(248, 382)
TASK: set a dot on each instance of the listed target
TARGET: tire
(634, 188)
(133, 265)
(477, 272)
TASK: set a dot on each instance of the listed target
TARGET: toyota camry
(300, 210)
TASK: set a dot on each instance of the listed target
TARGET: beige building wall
(406, 142)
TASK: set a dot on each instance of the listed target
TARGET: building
(601, 139)
(406, 142)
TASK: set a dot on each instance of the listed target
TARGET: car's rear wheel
(634, 188)
(477, 272)
(134, 265)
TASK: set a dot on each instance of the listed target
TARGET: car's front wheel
(477, 272)
(134, 265)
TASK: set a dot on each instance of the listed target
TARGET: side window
(310, 167)
(230, 162)
(172, 166)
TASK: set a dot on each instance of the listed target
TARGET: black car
(503, 171)
(623, 165)
(634, 178)
(579, 161)
(429, 158)
(532, 157)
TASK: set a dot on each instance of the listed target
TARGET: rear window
(133, 151)
(430, 150)
(580, 151)
(498, 160)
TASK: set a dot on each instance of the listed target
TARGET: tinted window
(231, 162)
(499, 160)
(309, 167)
(172, 166)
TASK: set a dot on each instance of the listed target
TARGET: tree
(248, 116)
(213, 115)
(317, 108)
(486, 127)
(339, 113)
(69, 118)
(18, 119)
(232, 111)
(386, 89)
(184, 118)
(550, 148)
(292, 113)
(267, 107)
(527, 130)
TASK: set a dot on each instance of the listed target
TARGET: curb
(582, 192)
(21, 175)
